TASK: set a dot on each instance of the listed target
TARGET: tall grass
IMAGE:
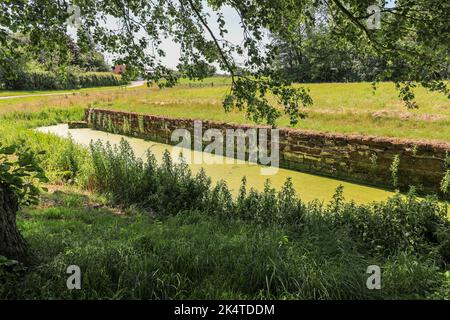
(399, 224)
(194, 256)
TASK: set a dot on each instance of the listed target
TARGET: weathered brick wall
(362, 159)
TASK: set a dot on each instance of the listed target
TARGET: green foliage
(414, 150)
(447, 159)
(66, 161)
(92, 61)
(411, 44)
(34, 80)
(260, 245)
(97, 79)
(19, 172)
(195, 256)
(445, 183)
(320, 56)
(188, 70)
(69, 162)
(126, 179)
(252, 94)
(394, 170)
(11, 271)
(374, 159)
(141, 124)
(400, 224)
(126, 127)
(180, 237)
(48, 80)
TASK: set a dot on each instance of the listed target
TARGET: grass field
(10, 93)
(344, 108)
(338, 107)
(75, 100)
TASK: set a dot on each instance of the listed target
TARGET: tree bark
(12, 244)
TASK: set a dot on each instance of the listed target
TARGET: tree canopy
(416, 31)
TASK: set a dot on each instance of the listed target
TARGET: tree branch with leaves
(414, 30)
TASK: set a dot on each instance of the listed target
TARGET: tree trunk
(12, 244)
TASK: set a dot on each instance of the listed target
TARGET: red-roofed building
(119, 69)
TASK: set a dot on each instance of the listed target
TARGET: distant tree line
(22, 66)
(321, 56)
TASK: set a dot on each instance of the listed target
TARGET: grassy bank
(75, 100)
(131, 255)
(138, 230)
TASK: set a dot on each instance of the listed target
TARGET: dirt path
(133, 84)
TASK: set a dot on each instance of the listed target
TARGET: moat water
(308, 186)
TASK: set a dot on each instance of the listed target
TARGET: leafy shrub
(97, 79)
(168, 188)
(19, 170)
(70, 162)
(402, 223)
(34, 80)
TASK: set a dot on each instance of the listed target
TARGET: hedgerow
(48, 80)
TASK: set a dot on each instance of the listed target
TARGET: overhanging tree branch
(211, 33)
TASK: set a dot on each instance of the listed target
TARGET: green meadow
(338, 107)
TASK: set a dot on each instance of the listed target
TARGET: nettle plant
(447, 160)
(21, 173)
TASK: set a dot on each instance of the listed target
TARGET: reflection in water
(308, 186)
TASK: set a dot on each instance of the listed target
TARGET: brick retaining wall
(356, 158)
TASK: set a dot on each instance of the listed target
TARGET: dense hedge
(46, 80)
